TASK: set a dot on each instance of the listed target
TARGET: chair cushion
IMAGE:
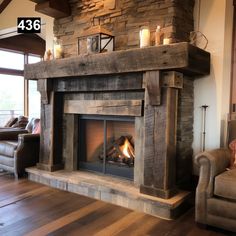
(225, 184)
(7, 148)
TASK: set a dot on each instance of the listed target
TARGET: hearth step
(113, 190)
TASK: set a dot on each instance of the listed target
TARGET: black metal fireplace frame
(124, 172)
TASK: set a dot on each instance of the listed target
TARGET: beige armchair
(216, 190)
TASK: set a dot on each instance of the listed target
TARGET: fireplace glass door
(107, 145)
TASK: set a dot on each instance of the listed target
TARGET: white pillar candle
(57, 51)
(144, 35)
(166, 41)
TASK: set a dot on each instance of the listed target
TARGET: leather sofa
(19, 148)
(216, 190)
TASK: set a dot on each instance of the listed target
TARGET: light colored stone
(109, 189)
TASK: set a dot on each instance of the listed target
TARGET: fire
(125, 148)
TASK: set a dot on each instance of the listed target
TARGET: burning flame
(125, 148)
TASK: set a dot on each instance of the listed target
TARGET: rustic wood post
(160, 124)
(51, 126)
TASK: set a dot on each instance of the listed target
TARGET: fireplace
(106, 145)
(149, 89)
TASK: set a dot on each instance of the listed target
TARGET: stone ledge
(112, 190)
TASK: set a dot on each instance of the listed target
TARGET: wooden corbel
(45, 89)
(151, 84)
(172, 79)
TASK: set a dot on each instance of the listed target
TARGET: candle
(158, 35)
(166, 41)
(57, 51)
(144, 35)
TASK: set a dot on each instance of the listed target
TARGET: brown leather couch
(19, 148)
(216, 190)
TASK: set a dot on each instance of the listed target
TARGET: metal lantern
(96, 40)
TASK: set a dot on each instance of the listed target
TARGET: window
(11, 97)
(17, 97)
(11, 60)
(33, 94)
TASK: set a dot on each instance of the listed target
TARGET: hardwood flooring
(28, 208)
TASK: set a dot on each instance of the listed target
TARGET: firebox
(107, 145)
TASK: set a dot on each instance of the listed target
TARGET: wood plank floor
(28, 208)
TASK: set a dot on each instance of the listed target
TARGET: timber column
(50, 157)
(160, 125)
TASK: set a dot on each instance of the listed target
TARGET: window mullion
(26, 90)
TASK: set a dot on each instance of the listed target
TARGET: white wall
(216, 23)
(25, 8)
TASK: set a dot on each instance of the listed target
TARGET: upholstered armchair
(19, 148)
(216, 190)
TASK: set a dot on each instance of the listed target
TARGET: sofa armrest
(211, 164)
(27, 152)
(22, 138)
(11, 134)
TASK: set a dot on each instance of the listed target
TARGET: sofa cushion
(6, 163)
(225, 184)
(11, 122)
(7, 148)
(32, 124)
(21, 122)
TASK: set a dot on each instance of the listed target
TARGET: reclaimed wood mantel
(141, 83)
(182, 57)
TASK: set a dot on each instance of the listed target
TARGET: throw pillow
(37, 129)
(232, 147)
(21, 122)
(11, 122)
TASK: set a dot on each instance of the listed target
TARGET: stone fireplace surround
(141, 83)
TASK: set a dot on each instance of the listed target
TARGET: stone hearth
(147, 83)
(113, 190)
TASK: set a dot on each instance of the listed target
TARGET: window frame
(7, 71)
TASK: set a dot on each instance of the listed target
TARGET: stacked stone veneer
(124, 19)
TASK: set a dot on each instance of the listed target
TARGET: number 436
(28, 25)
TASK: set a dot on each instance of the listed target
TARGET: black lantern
(96, 40)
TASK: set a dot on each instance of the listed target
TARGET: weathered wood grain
(60, 212)
(139, 147)
(179, 56)
(50, 157)
(159, 146)
(127, 81)
(172, 79)
(153, 89)
(104, 107)
(44, 86)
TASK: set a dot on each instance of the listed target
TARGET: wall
(124, 19)
(25, 8)
(216, 20)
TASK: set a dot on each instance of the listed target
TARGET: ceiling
(4, 4)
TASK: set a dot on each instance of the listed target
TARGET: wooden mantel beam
(53, 8)
(4, 4)
(181, 57)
